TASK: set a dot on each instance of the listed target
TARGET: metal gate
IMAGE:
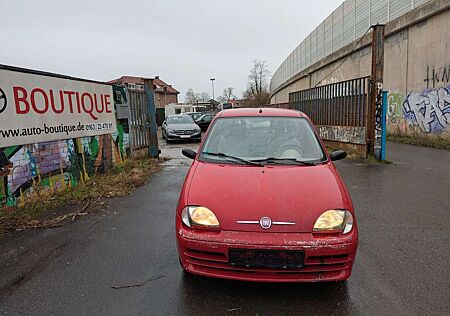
(339, 110)
(142, 121)
(137, 121)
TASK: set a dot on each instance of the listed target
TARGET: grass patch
(437, 142)
(87, 196)
(355, 156)
(372, 160)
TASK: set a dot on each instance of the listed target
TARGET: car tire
(341, 284)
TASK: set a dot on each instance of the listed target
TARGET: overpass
(416, 60)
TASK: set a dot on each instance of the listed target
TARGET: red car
(263, 201)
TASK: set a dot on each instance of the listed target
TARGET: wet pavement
(401, 267)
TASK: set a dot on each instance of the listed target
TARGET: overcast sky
(184, 42)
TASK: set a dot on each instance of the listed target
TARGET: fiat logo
(265, 222)
(3, 101)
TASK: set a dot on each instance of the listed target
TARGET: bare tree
(190, 97)
(203, 97)
(257, 92)
(228, 94)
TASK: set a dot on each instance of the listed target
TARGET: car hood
(296, 194)
(182, 126)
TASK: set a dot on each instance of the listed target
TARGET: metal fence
(138, 120)
(343, 26)
(339, 109)
(338, 104)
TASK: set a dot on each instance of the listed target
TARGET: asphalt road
(402, 266)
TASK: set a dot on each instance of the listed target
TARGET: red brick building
(164, 93)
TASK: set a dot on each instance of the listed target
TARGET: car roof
(175, 115)
(261, 112)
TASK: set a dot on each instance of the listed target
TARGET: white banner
(37, 108)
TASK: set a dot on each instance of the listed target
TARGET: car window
(179, 119)
(262, 137)
(227, 106)
(208, 118)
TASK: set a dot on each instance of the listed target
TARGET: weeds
(439, 142)
(87, 196)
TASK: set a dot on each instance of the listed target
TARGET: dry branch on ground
(85, 198)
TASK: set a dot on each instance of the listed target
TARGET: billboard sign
(37, 108)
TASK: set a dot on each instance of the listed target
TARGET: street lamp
(212, 82)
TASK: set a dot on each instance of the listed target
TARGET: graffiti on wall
(437, 76)
(394, 108)
(31, 172)
(378, 119)
(347, 134)
(430, 110)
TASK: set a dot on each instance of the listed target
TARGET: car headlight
(333, 220)
(199, 216)
(170, 130)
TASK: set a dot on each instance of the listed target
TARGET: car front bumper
(326, 258)
(174, 136)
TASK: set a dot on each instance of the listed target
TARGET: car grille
(185, 131)
(326, 266)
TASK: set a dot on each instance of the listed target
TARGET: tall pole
(375, 109)
(212, 82)
(151, 118)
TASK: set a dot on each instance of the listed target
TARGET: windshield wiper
(245, 161)
(275, 160)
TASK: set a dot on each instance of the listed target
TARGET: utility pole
(212, 82)
(375, 108)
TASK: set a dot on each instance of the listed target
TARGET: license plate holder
(270, 259)
(185, 136)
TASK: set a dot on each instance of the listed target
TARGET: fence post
(151, 118)
(375, 109)
(384, 126)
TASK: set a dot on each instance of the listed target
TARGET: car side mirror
(338, 155)
(189, 153)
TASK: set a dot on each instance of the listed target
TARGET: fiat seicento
(263, 201)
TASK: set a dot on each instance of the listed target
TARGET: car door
(205, 121)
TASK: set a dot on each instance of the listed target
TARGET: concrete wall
(37, 171)
(417, 71)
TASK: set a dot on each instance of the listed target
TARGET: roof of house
(158, 83)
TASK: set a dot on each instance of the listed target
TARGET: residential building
(164, 93)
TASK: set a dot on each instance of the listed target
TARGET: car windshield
(281, 139)
(195, 115)
(179, 119)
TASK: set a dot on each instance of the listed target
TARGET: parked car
(204, 121)
(180, 127)
(226, 106)
(194, 115)
(263, 201)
